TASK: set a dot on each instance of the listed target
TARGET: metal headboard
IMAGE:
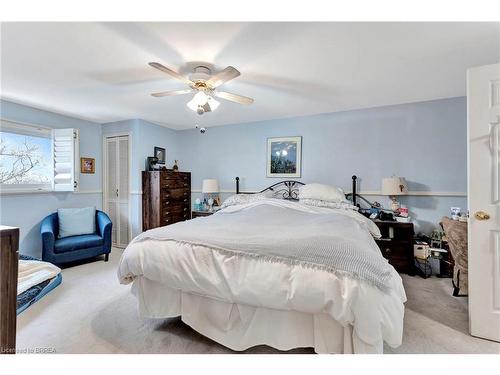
(289, 189)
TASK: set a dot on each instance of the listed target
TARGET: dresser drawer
(181, 216)
(180, 208)
(175, 184)
(166, 220)
(174, 217)
(175, 195)
(399, 254)
(169, 208)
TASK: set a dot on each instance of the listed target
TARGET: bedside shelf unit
(396, 245)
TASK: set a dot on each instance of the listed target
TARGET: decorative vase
(175, 168)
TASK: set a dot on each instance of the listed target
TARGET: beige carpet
(90, 312)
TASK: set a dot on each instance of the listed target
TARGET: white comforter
(375, 314)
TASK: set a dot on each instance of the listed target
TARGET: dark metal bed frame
(289, 189)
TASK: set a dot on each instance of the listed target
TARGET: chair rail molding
(372, 192)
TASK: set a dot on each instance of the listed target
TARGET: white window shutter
(66, 156)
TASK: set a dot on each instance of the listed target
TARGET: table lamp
(210, 190)
(394, 186)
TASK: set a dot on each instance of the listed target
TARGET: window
(27, 158)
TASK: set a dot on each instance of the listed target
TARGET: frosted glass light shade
(394, 186)
(210, 186)
(200, 98)
(192, 105)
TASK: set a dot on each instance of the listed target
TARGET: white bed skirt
(240, 327)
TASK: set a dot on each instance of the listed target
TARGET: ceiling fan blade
(234, 97)
(226, 75)
(171, 73)
(171, 93)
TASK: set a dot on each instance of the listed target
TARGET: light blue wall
(424, 142)
(26, 210)
(144, 137)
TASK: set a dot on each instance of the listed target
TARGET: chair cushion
(73, 243)
(76, 221)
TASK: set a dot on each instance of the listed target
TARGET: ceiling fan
(204, 85)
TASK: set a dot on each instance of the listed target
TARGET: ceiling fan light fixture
(203, 83)
(192, 105)
(206, 102)
(200, 98)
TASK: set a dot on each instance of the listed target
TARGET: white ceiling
(99, 71)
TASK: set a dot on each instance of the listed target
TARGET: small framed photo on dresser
(161, 154)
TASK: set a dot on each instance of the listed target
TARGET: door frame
(105, 174)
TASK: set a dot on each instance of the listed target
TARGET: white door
(483, 96)
(117, 188)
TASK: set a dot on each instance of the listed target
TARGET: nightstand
(396, 245)
(195, 214)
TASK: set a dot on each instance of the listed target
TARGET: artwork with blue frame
(284, 157)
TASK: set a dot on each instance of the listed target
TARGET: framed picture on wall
(161, 154)
(87, 165)
(284, 157)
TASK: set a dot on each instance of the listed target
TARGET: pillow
(322, 192)
(76, 221)
(244, 198)
(319, 203)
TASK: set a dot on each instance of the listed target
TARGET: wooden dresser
(9, 258)
(166, 198)
(396, 245)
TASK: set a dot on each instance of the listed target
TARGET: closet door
(111, 185)
(117, 188)
(123, 193)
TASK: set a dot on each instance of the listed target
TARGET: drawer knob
(387, 250)
(185, 200)
(185, 208)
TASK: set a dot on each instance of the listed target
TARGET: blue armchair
(62, 250)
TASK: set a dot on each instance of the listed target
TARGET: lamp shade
(394, 186)
(210, 186)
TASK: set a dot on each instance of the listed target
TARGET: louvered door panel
(117, 188)
(123, 225)
(111, 169)
(112, 212)
(123, 168)
(123, 193)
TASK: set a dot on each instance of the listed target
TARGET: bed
(270, 269)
